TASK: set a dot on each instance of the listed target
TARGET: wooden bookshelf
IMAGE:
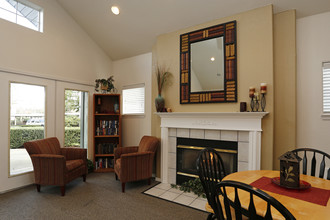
(107, 130)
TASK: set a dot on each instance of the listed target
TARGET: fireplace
(187, 154)
(241, 127)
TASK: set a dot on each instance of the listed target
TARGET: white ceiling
(135, 29)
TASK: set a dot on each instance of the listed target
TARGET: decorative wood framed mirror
(208, 65)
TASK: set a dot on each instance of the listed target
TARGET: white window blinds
(326, 87)
(133, 99)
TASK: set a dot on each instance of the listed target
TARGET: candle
(256, 96)
(251, 92)
(263, 88)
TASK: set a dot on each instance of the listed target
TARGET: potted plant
(105, 85)
(162, 76)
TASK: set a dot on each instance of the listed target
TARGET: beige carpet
(99, 198)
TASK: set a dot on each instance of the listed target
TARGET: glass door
(27, 122)
(73, 115)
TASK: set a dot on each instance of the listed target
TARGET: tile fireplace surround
(243, 127)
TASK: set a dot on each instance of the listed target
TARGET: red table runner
(313, 194)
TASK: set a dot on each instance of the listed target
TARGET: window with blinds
(326, 87)
(133, 99)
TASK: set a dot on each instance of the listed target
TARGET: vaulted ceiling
(135, 29)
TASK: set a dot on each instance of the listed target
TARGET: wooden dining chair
(243, 213)
(211, 171)
(325, 161)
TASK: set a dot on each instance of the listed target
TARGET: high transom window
(23, 13)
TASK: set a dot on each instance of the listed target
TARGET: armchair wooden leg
(116, 176)
(149, 181)
(84, 178)
(63, 190)
(38, 187)
(123, 187)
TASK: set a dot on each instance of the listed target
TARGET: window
(76, 114)
(27, 122)
(133, 99)
(326, 88)
(23, 13)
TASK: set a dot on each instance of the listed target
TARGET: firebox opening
(187, 154)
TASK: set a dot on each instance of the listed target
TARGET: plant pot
(159, 103)
(104, 88)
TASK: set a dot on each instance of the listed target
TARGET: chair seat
(73, 164)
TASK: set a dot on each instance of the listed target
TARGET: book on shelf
(105, 148)
(106, 127)
(104, 162)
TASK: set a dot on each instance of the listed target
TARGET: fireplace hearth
(187, 154)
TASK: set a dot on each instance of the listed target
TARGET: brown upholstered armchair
(54, 165)
(135, 163)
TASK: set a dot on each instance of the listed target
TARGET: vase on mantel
(160, 103)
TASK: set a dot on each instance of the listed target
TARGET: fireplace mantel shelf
(239, 121)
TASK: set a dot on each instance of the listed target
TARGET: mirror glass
(206, 66)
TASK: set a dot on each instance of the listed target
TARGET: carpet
(100, 197)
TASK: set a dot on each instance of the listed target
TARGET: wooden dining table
(302, 203)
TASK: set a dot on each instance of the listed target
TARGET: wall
(131, 71)
(313, 34)
(255, 65)
(284, 84)
(62, 51)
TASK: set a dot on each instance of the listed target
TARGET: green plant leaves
(194, 186)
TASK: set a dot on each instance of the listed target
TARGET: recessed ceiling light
(115, 10)
(212, 58)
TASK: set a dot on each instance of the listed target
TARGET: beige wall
(255, 66)
(313, 48)
(128, 72)
(63, 50)
(284, 84)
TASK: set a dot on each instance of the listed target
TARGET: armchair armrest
(124, 150)
(49, 169)
(136, 166)
(71, 153)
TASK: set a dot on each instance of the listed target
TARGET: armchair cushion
(73, 164)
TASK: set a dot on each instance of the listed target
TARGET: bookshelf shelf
(107, 130)
(107, 136)
(104, 170)
(104, 155)
(106, 114)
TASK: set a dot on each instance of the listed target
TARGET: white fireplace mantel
(220, 121)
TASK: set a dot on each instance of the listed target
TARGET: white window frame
(325, 89)
(17, 14)
(140, 85)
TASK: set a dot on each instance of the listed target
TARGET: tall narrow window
(326, 88)
(133, 100)
(22, 12)
(76, 118)
(27, 120)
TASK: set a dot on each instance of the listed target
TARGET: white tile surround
(243, 127)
